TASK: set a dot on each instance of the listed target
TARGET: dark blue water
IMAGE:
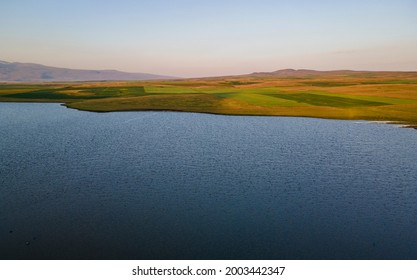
(161, 185)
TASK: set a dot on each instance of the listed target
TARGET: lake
(166, 185)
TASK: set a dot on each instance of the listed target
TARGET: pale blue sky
(207, 38)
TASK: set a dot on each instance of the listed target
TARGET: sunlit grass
(371, 96)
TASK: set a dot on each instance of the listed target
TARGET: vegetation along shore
(349, 95)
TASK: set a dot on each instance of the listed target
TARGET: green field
(390, 96)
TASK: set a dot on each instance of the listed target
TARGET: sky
(193, 38)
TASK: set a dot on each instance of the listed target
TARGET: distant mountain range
(307, 72)
(300, 72)
(30, 72)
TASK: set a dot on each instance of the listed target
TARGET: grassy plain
(379, 96)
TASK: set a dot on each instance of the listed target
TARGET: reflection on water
(147, 185)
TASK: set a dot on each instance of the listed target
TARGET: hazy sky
(192, 38)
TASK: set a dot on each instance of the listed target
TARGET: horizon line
(215, 75)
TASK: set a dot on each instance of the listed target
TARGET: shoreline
(64, 104)
(388, 98)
